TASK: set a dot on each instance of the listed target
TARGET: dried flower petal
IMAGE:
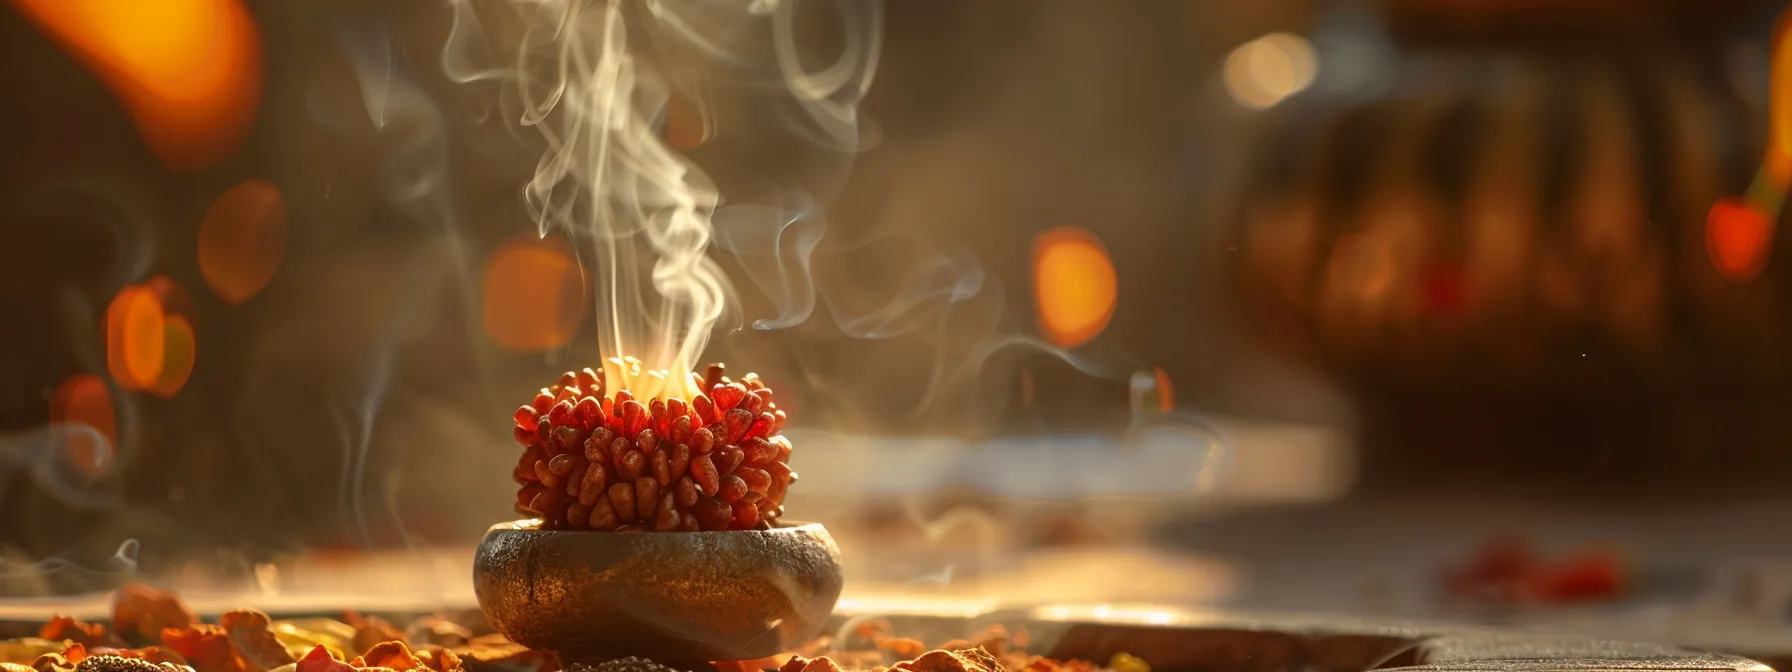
(143, 612)
(254, 641)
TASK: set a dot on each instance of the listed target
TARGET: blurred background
(1298, 301)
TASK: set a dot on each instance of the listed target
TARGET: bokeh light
(83, 399)
(180, 350)
(1362, 266)
(242, 240)
(1737, 237)
(188, 70)
(1074, 285)
(174, 298)
(135, 333)
(1166, 393)
(534, 294)
(1260, 73)
(1779, 105)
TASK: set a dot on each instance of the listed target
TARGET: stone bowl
(674, 597)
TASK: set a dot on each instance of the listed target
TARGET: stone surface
(674, 597)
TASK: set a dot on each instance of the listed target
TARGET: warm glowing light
(242, 240)
(534, 294)
(135, 334)
(1445, 289)
(1139, 614)
(912, 603)
(179, 350)
(1074, 285)
(1779, 105)
(1362, 265)
(1166, 394)
(1739, 234)
(84, 400)
(1263, 72)
(1737, 237)
(188, 70)
(174, 298)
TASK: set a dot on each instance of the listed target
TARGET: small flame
(189, 70)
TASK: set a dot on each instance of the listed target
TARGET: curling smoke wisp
(605, 179)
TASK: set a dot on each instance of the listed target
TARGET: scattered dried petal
(941, 660)
(255, 643)
(141, 612)
(66, 628)
(903, 648)
(392, 655)
(497, 653)
(370, 631)
(207, 647)
(1126, 662)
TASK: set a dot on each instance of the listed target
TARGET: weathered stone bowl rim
(533, 525)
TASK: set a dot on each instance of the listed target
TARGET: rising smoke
(590, 83)
(605, 179)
